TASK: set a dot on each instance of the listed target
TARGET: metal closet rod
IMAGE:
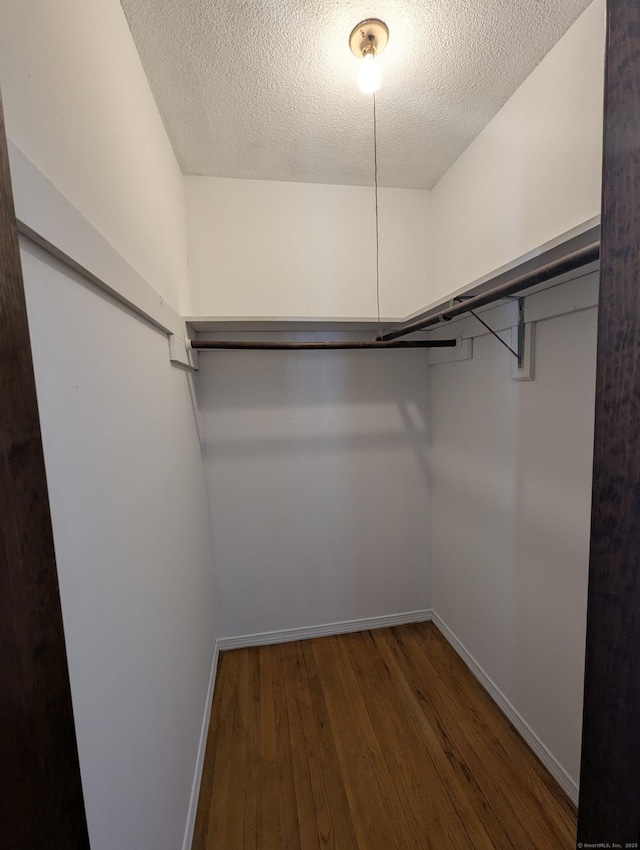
(247, 345)
(568, 263)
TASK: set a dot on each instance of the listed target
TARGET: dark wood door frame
(41, 803)
(610, 773)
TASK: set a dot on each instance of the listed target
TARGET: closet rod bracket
(181, 353)
(518, 352)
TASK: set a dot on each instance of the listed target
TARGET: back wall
(317, 469)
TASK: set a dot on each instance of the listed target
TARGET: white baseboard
(522, 727)
(287, 635)
(202, 746)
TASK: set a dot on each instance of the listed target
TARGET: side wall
(511, 473)
(128, 499)
(268, 249)
(534, 172)
(317, 468)
(78, 105)
(133, 547)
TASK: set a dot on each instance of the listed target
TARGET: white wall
(269, 249)
(133, 547)
(317, 471)
(511, 475)
(534, 172)
(78, 105)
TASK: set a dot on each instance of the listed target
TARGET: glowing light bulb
(370, 75)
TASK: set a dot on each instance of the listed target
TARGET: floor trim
(522, 727)
(343, 627)
(202, 745)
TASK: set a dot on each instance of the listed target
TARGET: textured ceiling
(267, 89)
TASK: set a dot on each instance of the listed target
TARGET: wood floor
(380, 740)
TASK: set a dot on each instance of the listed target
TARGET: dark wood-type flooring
(379, 740)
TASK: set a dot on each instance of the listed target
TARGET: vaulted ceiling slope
(267, 89)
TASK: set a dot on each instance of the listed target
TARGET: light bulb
(370, 76)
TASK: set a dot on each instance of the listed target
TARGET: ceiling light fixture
(367, 41)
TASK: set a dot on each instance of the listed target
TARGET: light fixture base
(370, 33)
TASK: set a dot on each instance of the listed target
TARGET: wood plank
(524, 774)
(212, 750)
(433, 800)
(508, 787)
(269, 796)
(370, 787)
(374, 741)
(292, 672)
(41, 803)
(234, 821)
(215, 787)
(610, 768)
(333, 816)
(290, 831)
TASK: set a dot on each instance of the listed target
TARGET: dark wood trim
(41, 803)
(610, 773)
(320, 345)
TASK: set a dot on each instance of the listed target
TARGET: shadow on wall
(315, 402)
(318, 473)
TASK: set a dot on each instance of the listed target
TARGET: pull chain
(375, 179)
